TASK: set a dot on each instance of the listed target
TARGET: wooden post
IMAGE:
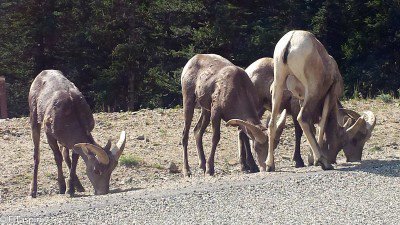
(3, 99)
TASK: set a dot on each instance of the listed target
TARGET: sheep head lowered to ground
(340, 136)
(261, 73)
(223, 91)
(57, 105)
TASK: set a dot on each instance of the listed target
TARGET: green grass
(386, 98)
(163, 132)
(157, 166)
(375, 149)
(130, 160)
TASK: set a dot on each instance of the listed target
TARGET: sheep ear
(108, 145)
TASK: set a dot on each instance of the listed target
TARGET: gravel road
(366, 193)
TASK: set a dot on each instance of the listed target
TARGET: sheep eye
(96, 171)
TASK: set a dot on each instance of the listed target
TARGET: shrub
(386, 98)
(130, 160)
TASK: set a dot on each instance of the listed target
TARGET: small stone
(232, 162)
(6, 137)
(141, 137)
(172, 168)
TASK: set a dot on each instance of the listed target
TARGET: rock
(172, 168)
(6, 137)
(232, 162)
(141, 137)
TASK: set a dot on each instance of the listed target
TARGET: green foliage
(130, 160)
(376, 149)
(126, 55)
(386, 98)
(157, 166)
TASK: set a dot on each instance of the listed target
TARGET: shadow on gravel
(387, 168)
(114, 191)
(119, 190)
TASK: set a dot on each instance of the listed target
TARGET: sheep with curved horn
(261, 73)
(224, 92)
(56, 104)
(302, 64)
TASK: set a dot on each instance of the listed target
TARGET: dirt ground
(153, 141)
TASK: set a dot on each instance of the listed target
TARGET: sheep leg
(249, 156)
(242, 150)
(246, 156)
(297, 154)
(36, 157)
(310, 154)
(199, 130)
(65, 154)
(304, 119)
(277, 88)
(216, 125)
(76, 181)
(188, 110)
(58, 158)
(322, 122)
(73, 178)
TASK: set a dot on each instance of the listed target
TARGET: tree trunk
(3, 98)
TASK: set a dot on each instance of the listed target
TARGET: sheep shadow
(387, 168)
(113, 191)
(119, 190)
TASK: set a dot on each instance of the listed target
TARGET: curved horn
(371, 120)
(101, 155)
(352, 131)
(119, 148)
(255, 131)
(351, 113)
(348, 123)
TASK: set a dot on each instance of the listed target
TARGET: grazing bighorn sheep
(261, 73)
(57, 104)
(223, 91)
(303, 65)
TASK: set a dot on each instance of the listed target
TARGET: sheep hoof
(270, 168)
(187, 173)
(210, 172)
(78, 186)
(202, 166)
(254, 169)
(310, 160)
(327, 167)
(324, 164)
(299, 164)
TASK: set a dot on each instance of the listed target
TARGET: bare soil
(153, 141)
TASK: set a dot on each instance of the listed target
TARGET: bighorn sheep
(303, 65)
(261, 73)
(223, 91)
(57, 104)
